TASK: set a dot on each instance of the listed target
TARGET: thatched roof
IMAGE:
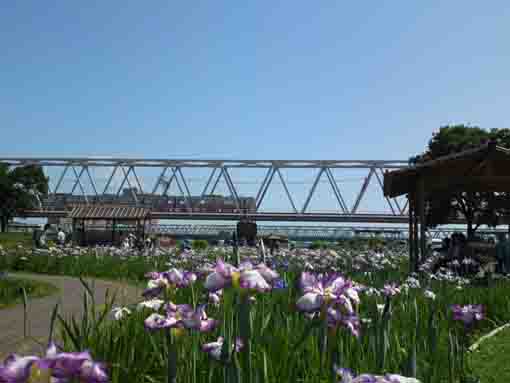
(109, 212)
(486, 168)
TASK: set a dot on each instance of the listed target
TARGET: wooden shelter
(135, 217)
(483, 169)
(273, 241)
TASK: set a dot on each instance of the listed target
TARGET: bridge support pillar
(247, 230)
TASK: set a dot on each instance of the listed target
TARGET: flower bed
(282, 320)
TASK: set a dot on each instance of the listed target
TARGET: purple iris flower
(325, 290)
(347, 376)
(77, 364)
(93, 372)
(468, 314)
(349, 321)
(55, 367)
(246, 276)
(215, 297)
(171, 278)
(181, 316)
(390, 290)
(18, 369)
(279, 284)
(66, 364)
(214, 348)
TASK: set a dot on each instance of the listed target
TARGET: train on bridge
(159, 203)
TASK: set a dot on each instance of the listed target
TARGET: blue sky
(250, 80)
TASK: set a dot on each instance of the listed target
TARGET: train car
(205, 205)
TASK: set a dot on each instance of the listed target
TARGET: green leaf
(52, 323)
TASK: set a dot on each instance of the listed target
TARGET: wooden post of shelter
(416, 238)
(422, 218)
(411, 232)
(84, 231)
(74, 232)
(113, 232)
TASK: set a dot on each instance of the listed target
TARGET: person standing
(43, 236)
(502, 248)
(61, 237)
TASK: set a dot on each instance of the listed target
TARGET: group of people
(455, 250)
(132, 242)
(503, 254)
(41, 237)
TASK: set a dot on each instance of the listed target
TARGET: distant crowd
(128, 241)
(455, 250)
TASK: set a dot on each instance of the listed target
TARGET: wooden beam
(411, 231)
(421, 215)
(416, 244)
(485, 158)
(484, 166)
(473, 184)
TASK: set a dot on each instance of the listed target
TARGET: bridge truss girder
(80, 168)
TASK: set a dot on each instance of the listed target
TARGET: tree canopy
(20, 188)
(474, 207)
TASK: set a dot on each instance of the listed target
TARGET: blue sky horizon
(261, 80)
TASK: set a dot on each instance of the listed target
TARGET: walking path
(70, 299)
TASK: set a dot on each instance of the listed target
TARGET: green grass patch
(11, 290)
(10, 240)
(490, 361)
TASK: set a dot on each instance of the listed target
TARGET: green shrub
(11, 293)
(10, 240)
(376, 242)
(199, 244)
(316, 245)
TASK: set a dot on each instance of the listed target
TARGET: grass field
(491, 360)
(10, 240)
(11, 293)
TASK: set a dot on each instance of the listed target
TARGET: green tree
(20, 188)
(473, 206)
(316, 245)
(199, 244)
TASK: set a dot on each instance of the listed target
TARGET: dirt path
(70, 299)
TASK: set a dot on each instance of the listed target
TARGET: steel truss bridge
(175, 172)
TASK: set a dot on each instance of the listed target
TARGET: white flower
(372, 291)
(251, 279)
(366, 320)
(413, 283)
(309, 302)
(429, 294)
(153, 304)
(308, 266)
(215, 297)
(159, 282)
(120, 312)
